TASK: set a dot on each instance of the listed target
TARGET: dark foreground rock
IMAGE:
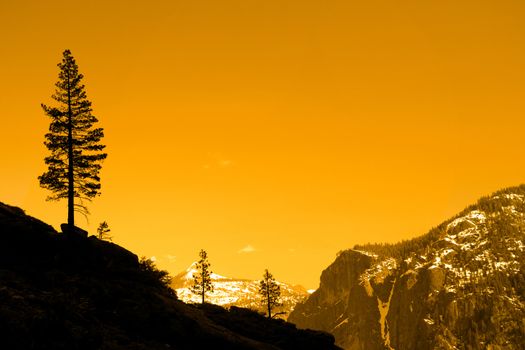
(62, 292)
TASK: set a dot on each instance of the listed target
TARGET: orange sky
(297, 128)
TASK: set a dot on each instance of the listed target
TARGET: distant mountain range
(460, 286)
(236, 292)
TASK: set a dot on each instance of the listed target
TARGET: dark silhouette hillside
(61, 291)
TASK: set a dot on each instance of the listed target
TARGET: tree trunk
(70, 189)
(269, 304)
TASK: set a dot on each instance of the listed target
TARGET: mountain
(236, 292)
(460, 286)
(67, 291)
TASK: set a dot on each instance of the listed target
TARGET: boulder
(75, 231)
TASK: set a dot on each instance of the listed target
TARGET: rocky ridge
(460, 286)
(66, 291)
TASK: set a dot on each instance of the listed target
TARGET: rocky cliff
(460, 286)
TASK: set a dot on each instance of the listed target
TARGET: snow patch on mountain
(461, 283)
(235, 292)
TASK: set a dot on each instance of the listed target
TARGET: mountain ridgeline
(236, 292)
(460, 286)
(66, 291)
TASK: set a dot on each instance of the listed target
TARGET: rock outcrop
(461, 286)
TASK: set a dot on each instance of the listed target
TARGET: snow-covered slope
(237, 292)
(462, 285)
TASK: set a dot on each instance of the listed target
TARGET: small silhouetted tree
(103, 231)
(270, 292)
(74, 143)
(202, 278)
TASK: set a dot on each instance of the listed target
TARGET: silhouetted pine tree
(103, 231)
(76, 151)
(270, 292)
(202, 279)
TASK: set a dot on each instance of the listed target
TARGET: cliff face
(461, 286)
(327, 308)
(342, 305)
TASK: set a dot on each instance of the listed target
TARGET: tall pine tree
(76, 152)
(270, 292)
(202, 278)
